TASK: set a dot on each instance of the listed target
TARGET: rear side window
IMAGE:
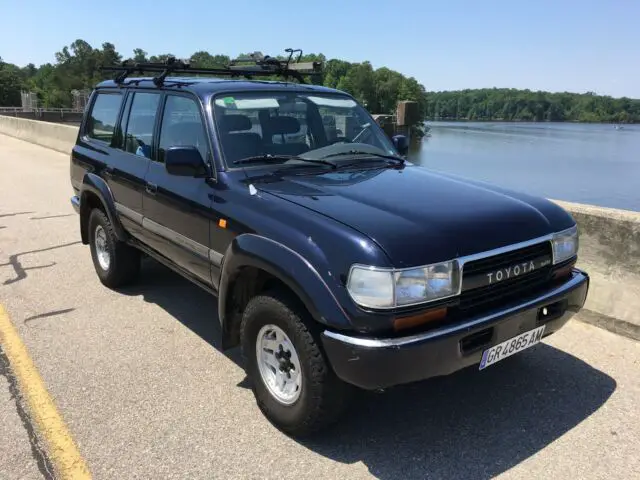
(182, 126)
(142, 118)
(104, 116)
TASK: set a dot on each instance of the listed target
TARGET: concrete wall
(609, 239)
(69, 118)
(610, 253)
(51, 135)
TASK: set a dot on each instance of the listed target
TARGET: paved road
(146, 392)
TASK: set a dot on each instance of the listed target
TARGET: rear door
(110, 146)
(177, 210)
(98, 151)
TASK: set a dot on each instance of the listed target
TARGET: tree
(11, 83)
(204, 59)
(160, 58)
(510, 104)
(360, 83)
(139, 55)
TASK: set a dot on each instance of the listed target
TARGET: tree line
(506, 104)
(76, 68)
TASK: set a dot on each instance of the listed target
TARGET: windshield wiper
(369, 154)
(364, 129)
(267, 157)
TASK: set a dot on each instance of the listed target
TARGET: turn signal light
(402, 323)
(563, 272)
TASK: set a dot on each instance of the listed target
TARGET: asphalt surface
(146, 392)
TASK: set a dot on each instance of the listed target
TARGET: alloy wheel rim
(279, 364)
(102, 250)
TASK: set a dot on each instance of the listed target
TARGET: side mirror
(401, 143)
(184, 162)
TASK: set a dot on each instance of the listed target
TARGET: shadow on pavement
(14, 214)
(20, 271)
(472, 425)
(186, 302)
(53, 216)
(2, 215)
(52, 313)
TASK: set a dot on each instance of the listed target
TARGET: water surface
(586, 163)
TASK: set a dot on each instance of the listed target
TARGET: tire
(121, 265)
(322, 397)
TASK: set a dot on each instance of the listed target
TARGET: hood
(418, 216)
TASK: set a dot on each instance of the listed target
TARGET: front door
(177, 210)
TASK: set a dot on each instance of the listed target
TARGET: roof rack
(254, 65)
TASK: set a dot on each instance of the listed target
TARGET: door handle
(151, 188)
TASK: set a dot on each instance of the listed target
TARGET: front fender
(92, 184)
(250, 250)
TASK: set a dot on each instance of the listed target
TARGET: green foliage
(11, 83)
(380, 90)
(524, 105)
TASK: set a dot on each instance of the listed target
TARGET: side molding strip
(197, 248)
(130, 214)
(215, 257)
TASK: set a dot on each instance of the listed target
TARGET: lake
(585, 163)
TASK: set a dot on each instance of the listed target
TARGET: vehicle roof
(209, 85)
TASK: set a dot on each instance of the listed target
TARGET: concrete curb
(614, 325)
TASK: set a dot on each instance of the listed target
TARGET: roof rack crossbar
(259, 65)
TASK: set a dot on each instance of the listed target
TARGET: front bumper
(374, 363)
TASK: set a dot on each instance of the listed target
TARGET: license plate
(511, 346)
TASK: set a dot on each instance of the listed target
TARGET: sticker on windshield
(247, 103)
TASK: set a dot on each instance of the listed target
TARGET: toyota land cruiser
(337, 263)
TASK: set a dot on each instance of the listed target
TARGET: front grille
(509, 258)
(500, 293)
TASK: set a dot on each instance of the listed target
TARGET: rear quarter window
(103, 116)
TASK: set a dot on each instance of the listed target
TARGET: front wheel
(294, 385)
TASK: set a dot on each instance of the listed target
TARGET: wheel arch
(254, 264)
(95, 193)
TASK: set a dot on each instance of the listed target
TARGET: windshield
(298, 124)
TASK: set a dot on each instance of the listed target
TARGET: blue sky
(447, 44)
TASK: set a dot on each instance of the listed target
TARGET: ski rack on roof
(254, 65)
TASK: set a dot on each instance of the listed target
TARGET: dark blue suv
(337, 263)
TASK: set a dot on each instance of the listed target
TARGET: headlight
(565, 245)
(387, 288)
(370, 287)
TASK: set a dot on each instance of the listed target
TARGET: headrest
(284, 125)
(142, 123)
(185, 131)
(234, 123)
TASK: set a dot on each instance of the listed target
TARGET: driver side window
(182, 126)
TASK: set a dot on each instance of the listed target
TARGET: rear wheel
(116, 263)
(292, 381)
